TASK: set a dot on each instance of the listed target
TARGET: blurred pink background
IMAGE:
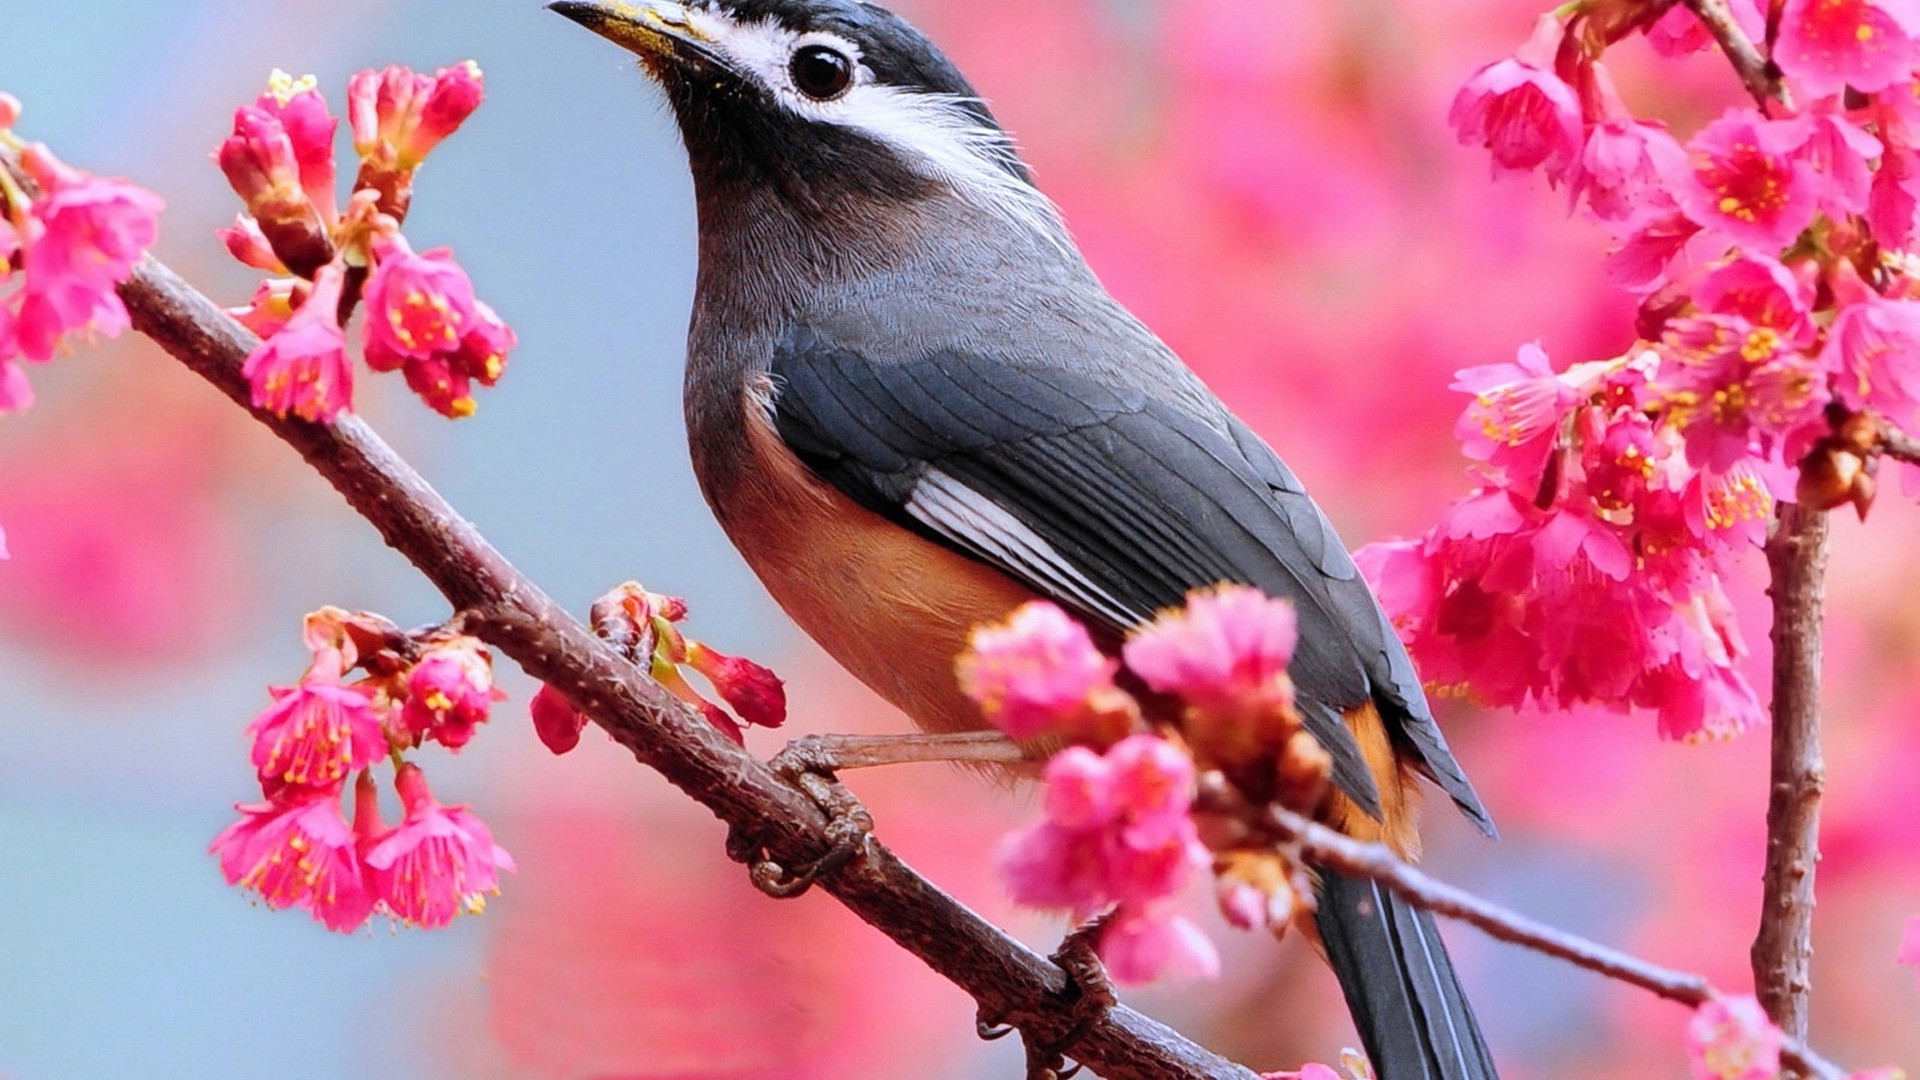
(1271, 185)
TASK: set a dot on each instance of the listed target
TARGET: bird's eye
(821, 73)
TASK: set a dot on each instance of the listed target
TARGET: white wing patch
(970, 519)
(935, 132)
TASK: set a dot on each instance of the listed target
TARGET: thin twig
(513, 614)
(1756, 72)
(1897, 444)
(1783, 948)
(1326, 847)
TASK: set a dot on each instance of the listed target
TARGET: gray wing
(1115, 505)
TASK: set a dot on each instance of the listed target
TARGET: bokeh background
(1270, 183)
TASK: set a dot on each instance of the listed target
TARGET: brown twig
(1757, 73)
(506, 609)
(1897, 444)
(1797, 556)
(1326, 847)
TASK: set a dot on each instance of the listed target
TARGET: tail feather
(1406, 1000)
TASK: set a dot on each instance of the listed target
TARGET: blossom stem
(515, 615)
(1756, 72)
(1797, 555)
(1323, 846)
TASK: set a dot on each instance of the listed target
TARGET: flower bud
(449, 692)
(247, 243)
(555, 720)
(754, 692)
(259, 160)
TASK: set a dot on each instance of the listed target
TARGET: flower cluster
(63, 249)
(1732, 1039)
(298, 849)
(1779, 330)
(645, 627)
(423, 318)
(1120, 834)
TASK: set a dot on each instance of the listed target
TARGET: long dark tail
(1400, 985)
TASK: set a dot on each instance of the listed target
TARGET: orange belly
(892, 608)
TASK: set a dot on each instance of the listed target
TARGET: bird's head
(824, 103)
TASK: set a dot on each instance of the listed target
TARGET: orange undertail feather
(1398, 824)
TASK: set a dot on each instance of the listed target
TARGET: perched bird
(913, 408)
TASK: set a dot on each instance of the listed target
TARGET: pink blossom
(1757, 288)
(1142, 947)
(1735, 385)
(1119, 829)
(1826, 46)
(1910, 944)
(81, 238)
(302, 113)
(1895, 191)
(317, 733)
(1516, 412)
(1034, 672)
(1228, 644)
(418, 306)
(1747, 181)
(1873, 348)
(1624, 168)
(483, 350)
(449, 692)
(272, 307)
(555, 720)
(303, 369)
(16, 395)
(439, 862)
(9, 110)
(755, 693)
(1639, 263)
(1524, 115)
(299, 855)
(1732, 1039)
(1842, 153)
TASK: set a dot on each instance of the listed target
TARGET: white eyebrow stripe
(935, 133)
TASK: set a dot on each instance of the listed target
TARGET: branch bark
(1782, 951)
(1756, 72)
(1326, 847)
(510, 612)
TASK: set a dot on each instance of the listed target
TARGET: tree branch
(1326, 847)
(509, 611)
(1782, 951)
(1756, 72)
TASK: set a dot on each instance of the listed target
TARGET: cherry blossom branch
(1782, 950)
(502, 606)
(1756, 72)
(1327, 847)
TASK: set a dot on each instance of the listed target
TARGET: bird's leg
(830, 754)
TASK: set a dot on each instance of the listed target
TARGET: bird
(913, 408)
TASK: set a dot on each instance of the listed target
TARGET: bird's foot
(849, 826)
(1087, 997)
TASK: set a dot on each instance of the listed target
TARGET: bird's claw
(1087, 997)
(807, 765)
